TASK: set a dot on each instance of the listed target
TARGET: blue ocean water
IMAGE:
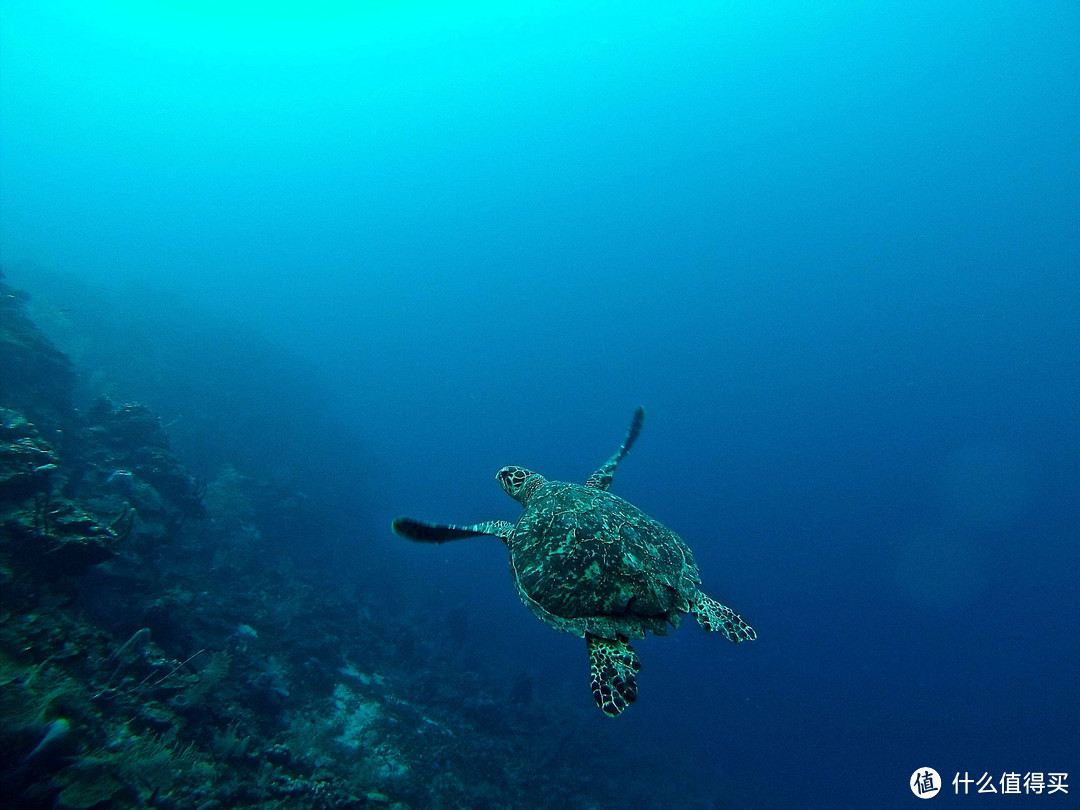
(833, 249)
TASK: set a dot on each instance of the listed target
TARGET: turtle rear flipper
(601, 479)
(613, 666)
(713, 616)
(441, 532)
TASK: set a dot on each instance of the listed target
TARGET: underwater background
(276, 274)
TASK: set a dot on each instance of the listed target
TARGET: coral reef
(153, 655)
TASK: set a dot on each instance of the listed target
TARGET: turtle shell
(587, 561)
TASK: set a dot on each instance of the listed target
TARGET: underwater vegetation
(153, 654)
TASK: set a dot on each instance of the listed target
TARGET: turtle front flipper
(613, 666)
(713, 616)
(441, 532)
(601, 479)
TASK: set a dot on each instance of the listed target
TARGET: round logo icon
(925, 783)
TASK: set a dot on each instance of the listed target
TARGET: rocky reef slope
(151, 653)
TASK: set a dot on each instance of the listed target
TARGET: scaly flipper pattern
(613, 666)
(441, 532)
(713, 616)
(602, 478)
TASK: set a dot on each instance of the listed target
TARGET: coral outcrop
(152, 654)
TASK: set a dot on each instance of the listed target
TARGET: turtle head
(519, 483)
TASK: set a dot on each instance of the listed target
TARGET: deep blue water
(833, 248)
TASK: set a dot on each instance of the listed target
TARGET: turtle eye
(515, 480)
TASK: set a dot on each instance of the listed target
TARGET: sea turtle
(589, 563)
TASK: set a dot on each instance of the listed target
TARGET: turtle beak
(505, 477)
